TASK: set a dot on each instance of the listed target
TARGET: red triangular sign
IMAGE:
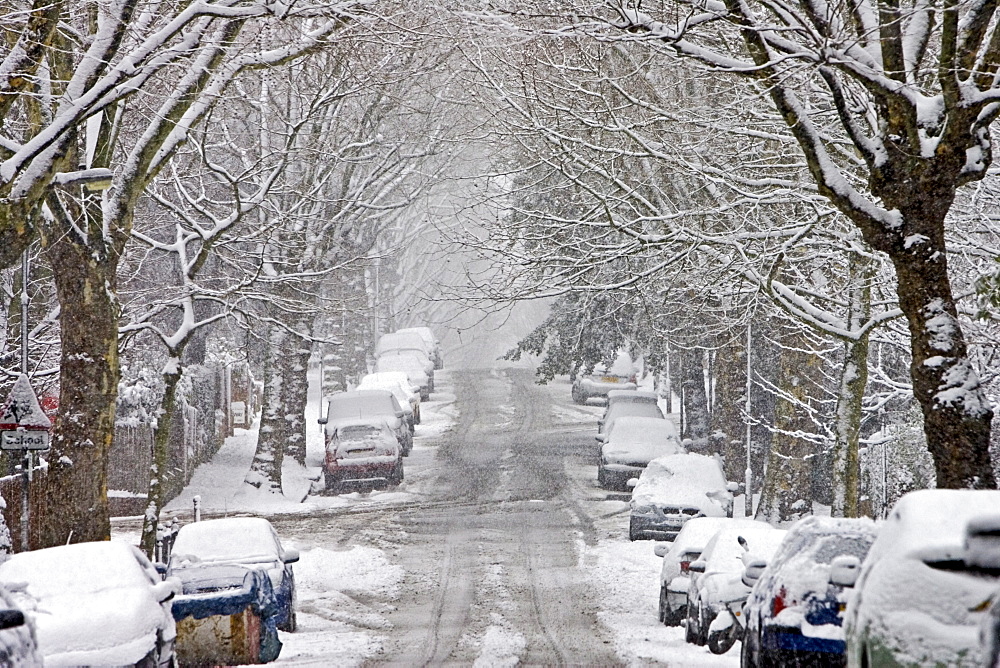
(21, 409)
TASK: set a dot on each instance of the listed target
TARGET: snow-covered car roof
(92, 603)
(686, 480)
(401, 340)
(696, 532)
(414, 367)
(642, 439)
(238, 540)
(633, 396)
(725, 554)
(398, 377)
(426, 333)
(358, 404)
(402, 394)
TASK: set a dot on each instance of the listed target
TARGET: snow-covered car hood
(685, 481)
(113, 627)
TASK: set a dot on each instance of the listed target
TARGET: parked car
(412, 366)
(717, 574)
(674, 489)
(397, 383)
(361, 451)
(598, 380)
(94, 604)
(433, 346)
(631, 404)
(794, 614)
(243, 541)
(926, 584)
(227, 614)
(635, 442)
(677, 557)
(406, 343)
(18, 639)
(355, 404)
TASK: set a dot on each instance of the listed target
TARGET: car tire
(396, 477)
(746, 658)
(690, 636)
(331, 483)
(701, 634)
(720, 642)
(664, 613)
(601, 478)
(633, 532)
(578, 398)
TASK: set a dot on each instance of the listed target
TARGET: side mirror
(164, 591)
(697, 566)
(844, 570)
(752, 571)
(322, 420)
(632, 482)
(661, 549)
(11, 618)
(291, 555)
(400, 414)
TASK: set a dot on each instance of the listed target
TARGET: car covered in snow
(412, 365)
(431, 343)
(794, 614)
(363, 404)
(18, 640)
(361, 452)
(634, 443)
(927, 582)
(685, 549)
(717, 576)
(396, 382)
(674, 489)
(627, 404)
(596, 381)
(243, 541)
(94, 604)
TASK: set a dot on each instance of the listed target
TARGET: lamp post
(748, 474)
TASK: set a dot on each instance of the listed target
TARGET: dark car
(362, 452)
(361, 404)
(795, 611)
(242, 541)
(227, 614)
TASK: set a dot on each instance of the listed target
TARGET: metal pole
(26, 460)
(748, 474)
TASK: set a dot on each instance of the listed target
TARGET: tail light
(684, 566)
(632, 379)
(778, 603)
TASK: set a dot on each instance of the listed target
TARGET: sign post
(24, 426)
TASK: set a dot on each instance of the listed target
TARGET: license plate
(610, 379)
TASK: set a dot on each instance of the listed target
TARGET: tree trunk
(158, 473)
(727, 418)
(957, 414)
(787, 481)
(76, 499)
(695, 398)
(851, 394)
(265, 471)
(297, 395)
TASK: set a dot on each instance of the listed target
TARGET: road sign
(23, 423)
(24, 440)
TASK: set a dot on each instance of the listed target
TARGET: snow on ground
(342, 598)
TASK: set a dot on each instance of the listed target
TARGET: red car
(362, 452)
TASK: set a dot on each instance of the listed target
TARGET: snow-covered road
(499, 548)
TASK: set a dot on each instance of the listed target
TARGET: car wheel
(702, 629)
(746, 657)
(396, 476)
(720, 642)
(601, 478)
(690, 636)
(664, 613)
(331, 482)
(578, 398)
(633, 531)
(416, 416)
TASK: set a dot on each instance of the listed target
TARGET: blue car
(794, 614)
(250, 542)
(226, 615)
